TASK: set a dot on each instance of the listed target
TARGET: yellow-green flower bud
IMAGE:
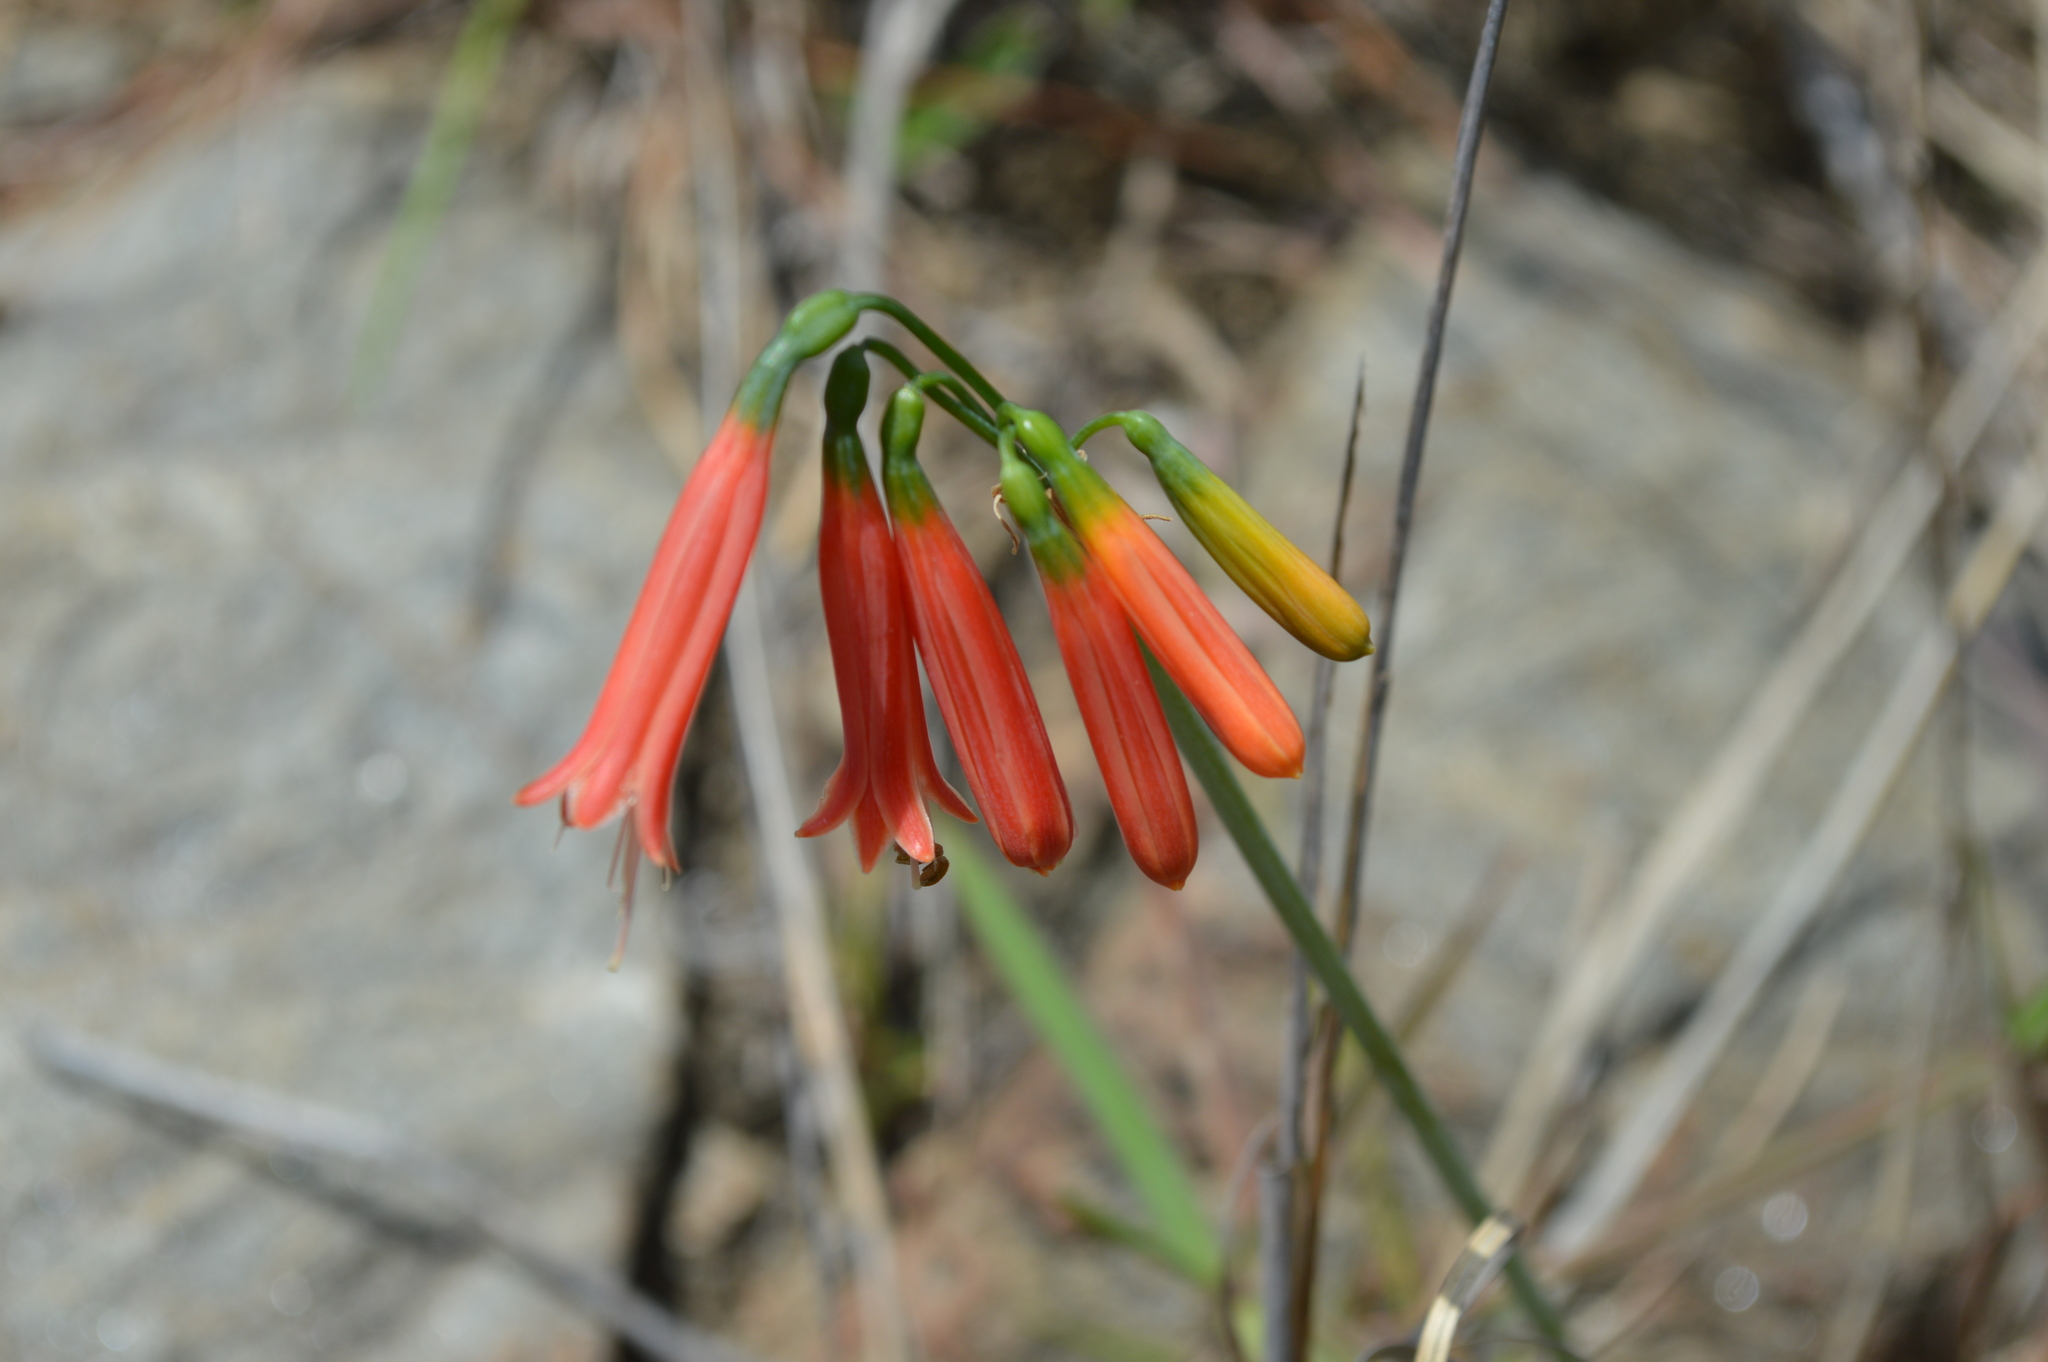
(1284, 581)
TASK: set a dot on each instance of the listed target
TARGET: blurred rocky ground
(272, 661)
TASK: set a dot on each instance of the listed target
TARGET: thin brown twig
(1632, 1303)
(816, 1017)
(1960, 1077)
(1279, 1179)
(1496, 886)
(1785, 1077)
(1856, 1312)
(1351, 885)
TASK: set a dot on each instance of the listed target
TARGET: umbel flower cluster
(899, 586)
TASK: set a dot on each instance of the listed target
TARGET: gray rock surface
(257, 772)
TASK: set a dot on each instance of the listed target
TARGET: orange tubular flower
(1282, 580)
(887, 770)
(1126, 727)
(975, 672)
(1221, 678)
(627, 754)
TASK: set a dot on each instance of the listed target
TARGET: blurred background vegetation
(352, 352)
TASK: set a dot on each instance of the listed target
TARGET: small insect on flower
(928, 873)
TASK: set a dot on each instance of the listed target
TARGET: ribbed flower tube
(627, 754)
(1281, 580)
(1127, 728)
(1211, 664)
(975, 672)
(887, 770)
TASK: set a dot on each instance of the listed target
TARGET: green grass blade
(1102, 1223)
(458, 110)
(1028, 968)
(2027, 1024)
(997, 71)
(1227, 796)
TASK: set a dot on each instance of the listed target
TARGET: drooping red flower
(975, 672)
(887, 770)
(1127, 728)
(1210, 663)
(627, 754)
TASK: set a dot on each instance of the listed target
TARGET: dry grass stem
(1448, 960)
(817, 1017)
(816, 1014)
(1351, 885)
(894, 47)
(652, 235)
(1484, 1253)
(1786, 1076)
(1996, 152)
(1726, 791)
(1958, 1078)
(1279, 1180)
(1849, 1330)
(1606, 1322)
(1634, 1301)
(2041, 105)
(1920, 684)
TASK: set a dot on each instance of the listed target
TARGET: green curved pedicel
(952, 395)
(814, 326)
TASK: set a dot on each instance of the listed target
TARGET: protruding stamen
(996, 505)
(611, 874)
(625, 909)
